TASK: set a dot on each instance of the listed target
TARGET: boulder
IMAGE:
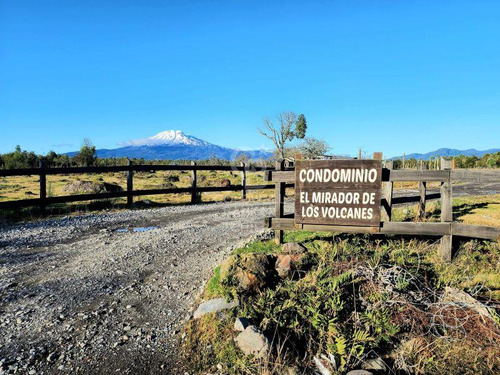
(214, 305)
(359, 372)
(457, 296)
(240, 324)
(224, 182)
(247, 272)
(286, 264)
(252, 342)
(376, 364)
(293, 248)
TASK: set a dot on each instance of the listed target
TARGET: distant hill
(175, 145)
(449, 152)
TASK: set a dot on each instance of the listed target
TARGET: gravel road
(89, 295)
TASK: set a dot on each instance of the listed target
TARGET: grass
(363, 297)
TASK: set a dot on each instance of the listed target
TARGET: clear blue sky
(394, 76)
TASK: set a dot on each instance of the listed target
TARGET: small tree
(284, 129)
(86, 157)
(312, 148)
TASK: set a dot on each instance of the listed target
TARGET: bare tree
(280, 131)
(312, 148)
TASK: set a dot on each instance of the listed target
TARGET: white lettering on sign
(338, 192)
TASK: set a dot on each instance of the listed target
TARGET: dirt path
(79, 296)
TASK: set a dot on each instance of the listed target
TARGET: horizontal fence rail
(129, 192)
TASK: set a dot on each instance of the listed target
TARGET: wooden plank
(194, 197)
(19, 172)
(414, 198)
(446, 248)
(401, 228)
(130, 184)
(279, 206)
(424, 229)
(474, 175)
(78, 170)
(393, 175)
(417, 175)
(476, 231)
(387, 192)
(243, 182)
(43, 186)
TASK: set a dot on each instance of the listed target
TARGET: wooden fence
(129, 192)
(283, 177)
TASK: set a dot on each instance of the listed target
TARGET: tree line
(461, 162)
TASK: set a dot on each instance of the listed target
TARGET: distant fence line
(129, 192)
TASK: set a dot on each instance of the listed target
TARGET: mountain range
(175, 145)
(449, 152)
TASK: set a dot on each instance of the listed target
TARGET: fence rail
(129, 192)
(446, 229)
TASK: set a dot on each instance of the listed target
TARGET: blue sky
(391, 76)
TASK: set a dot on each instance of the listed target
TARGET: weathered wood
(338, 192)
(417, 175)
(43, 185)
(130, 184)
(422, 189)
(402, 228)
(414, 198)
(476, 231)
(194, 198)
(243, 182)
(124, 168)
(387, 191)
(377, 156)
(388, 175)
(412, 228)
(279, 197)
(473, 175)
(446, 247)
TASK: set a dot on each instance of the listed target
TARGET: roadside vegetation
(386, 304)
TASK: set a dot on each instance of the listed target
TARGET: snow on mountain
(175, 145)
(168, 137)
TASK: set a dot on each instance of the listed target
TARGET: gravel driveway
(88, 295)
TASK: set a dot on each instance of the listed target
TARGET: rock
(457, 296)
(252, 342)
(376, 364)
(286, 264)
(240, 324)
(359, 372)
(224, 182)
(293, 248)
(248, 272)
(214, 305)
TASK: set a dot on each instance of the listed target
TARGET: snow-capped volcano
(167, 137)
(175, 145)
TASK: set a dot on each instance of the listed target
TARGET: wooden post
(404, 160)
(194, 198)
(446, 212)
(43, 185)
(243, 182)
(279, 197)
(387, 188)
(359, 154)
(377, 156)
(422, 190)
(130, 184)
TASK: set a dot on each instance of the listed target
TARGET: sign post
(338, 192)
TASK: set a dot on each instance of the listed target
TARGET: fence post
(279, 198)
(243, 182)
(387, 188)
(422, 189)
(130, 184)
(193, 184)
(445, 250)
(43, 185)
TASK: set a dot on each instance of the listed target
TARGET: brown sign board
(338, 192)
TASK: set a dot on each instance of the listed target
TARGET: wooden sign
(338, 192)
